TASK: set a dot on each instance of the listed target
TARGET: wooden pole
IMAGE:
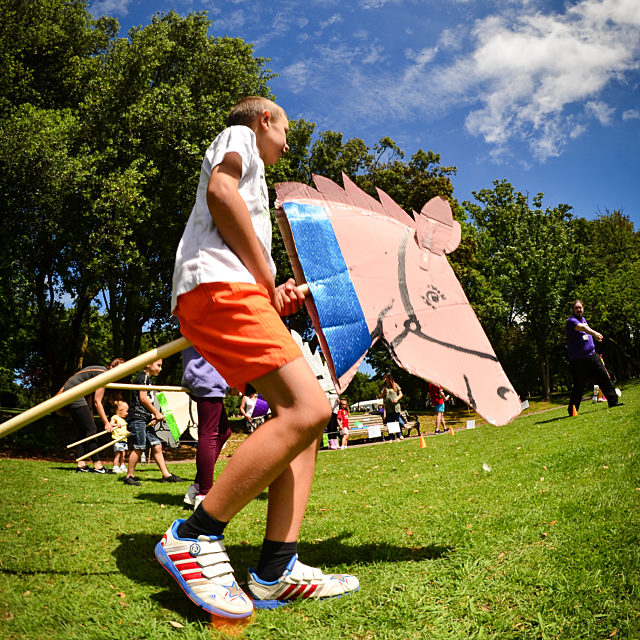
(104, 446)
(88, 387)
(145, 387)
(95, 435)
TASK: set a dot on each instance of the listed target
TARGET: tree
(102, 140)
(159, 99)
(361, 388)
(527, 257)
(607, 284)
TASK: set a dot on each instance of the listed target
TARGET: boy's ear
(264, 120)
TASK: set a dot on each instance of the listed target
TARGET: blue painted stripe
(341, 317)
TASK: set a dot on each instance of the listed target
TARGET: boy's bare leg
(134, 456)
(301, 411)
(288, 497)
(158, 456)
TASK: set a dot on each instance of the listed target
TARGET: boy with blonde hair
(224, 295)
(119, 425)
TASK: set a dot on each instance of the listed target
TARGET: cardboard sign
(393, 427)
(374, 431)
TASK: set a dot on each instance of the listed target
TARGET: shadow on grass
(552, 419)
(134, 558)
(161, 498)
(171, 499)
(72, 467)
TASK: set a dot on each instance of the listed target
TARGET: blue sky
(542, 93)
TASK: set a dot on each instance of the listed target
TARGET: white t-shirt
(202, 255)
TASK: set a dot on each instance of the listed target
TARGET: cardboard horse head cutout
(376, 273)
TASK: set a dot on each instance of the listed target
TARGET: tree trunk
(545, 375)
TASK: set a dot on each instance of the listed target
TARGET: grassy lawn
(523, 531)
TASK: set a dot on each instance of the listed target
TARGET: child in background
(343, 421)
(437, 396)
(247, 405)
(119, 425)
(142, 418)
(228, 305)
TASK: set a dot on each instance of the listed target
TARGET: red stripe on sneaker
(196, 575)
(185, 566)
(298, 592)
(185, 555)
(285, 594)
(310, 590)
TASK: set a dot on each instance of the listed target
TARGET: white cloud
(229, 23)
(528, 75)
(109, 8)
(334, 19)
(297, 75)
(451, 39)
(599, 110)
(631, 114)
(422, 57)
(577, 131)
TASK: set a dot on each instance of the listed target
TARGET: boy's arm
(148, 405)
(231, 216)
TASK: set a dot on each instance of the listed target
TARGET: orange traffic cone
(423, 444)
(453, 433)
(574, 413)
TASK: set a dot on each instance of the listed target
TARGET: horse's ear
(436, 230)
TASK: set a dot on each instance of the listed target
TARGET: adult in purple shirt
(585, 363)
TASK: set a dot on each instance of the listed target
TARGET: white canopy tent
(367, 405)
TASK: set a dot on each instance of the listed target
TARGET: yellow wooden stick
(145, 387)
(104, 446)
(95, 435)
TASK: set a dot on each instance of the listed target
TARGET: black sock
(201, 524)
(274, 559)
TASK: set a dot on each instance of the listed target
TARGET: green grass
(542, 545)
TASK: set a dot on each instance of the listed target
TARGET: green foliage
(97, 182)
(361, 388)
(512, 533)
(527, 257)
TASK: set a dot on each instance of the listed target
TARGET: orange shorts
(234, 326)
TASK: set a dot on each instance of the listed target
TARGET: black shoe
(617, 404)
(83, 470)
(132, 481)
(172, 478)
(101, 471)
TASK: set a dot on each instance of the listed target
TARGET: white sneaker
(201, 568)
(119, 469)
(299, 581)
(191, 494)
(198, 499)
